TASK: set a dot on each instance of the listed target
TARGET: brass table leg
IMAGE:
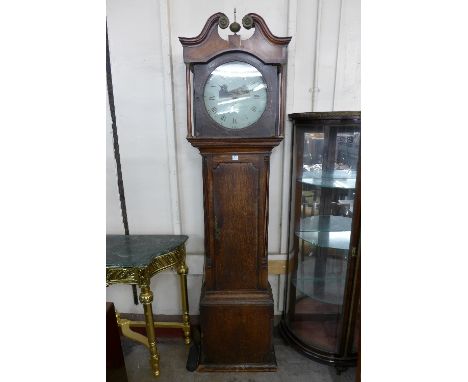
(146, 298)
(182, 271)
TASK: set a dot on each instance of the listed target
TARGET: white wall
(161, 170)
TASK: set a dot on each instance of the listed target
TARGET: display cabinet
(323, 277)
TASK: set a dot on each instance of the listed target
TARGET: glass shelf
(332, 174)
(345, 183)
(325, 223)
(336, 240)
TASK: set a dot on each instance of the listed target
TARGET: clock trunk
(236, 306)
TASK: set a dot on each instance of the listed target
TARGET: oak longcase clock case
(235, 112)
(323, 279)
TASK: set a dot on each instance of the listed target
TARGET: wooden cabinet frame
(236, 305)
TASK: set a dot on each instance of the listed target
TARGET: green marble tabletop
(139, 250)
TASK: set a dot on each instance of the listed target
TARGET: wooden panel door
(238, 209)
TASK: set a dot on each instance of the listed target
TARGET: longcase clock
(235, 114)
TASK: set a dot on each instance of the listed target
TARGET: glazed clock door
(235, 95)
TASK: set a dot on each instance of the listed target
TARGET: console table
(135, 259)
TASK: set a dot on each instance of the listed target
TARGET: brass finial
(247, 22)
(235, 26)
(223, 21)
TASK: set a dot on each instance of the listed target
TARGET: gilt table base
(141, 275)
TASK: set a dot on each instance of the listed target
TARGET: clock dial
(235, 95)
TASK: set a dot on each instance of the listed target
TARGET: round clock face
(235, 95)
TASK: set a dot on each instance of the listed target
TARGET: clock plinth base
(237, 331)
(264, 367)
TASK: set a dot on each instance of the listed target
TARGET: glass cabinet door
(326, 167)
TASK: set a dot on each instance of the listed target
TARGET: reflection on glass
(235, 95)
(338, 171)
(314, 281)
(327, 181)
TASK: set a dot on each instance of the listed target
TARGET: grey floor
(292, 366)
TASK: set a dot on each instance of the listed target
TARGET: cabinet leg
(146, 298)
(182, 271)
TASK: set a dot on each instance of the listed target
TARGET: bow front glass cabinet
(323, 278)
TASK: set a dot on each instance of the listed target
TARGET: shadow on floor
(292, 366)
